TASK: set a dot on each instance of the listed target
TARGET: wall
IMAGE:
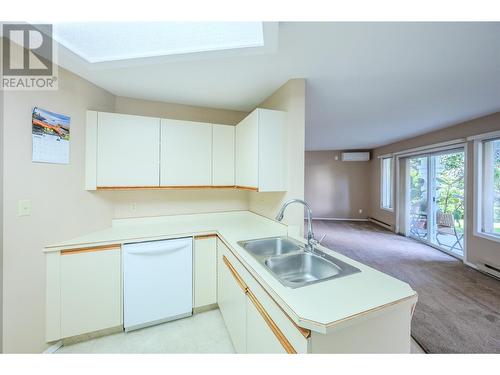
(60, 207)
(336, 188)
(170, 202)
(177, 111)
(477, 248)
(1, 210)
(290, 98)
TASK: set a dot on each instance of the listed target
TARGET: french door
(435, 209)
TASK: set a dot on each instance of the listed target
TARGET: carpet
(458, 308)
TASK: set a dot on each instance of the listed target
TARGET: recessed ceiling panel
(112, 41)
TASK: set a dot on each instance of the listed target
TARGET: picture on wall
(50, 134)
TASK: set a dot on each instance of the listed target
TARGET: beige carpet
(458, 310)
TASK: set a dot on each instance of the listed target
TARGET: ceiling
(368, 84)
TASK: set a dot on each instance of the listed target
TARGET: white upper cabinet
(186, 153)
(223, 155)
(127, 150)
(261, 152)
(247, 151)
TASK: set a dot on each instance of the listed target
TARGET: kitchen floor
(202, 333)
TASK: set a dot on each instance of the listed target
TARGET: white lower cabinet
(205, 271)
(261, 339)
(231, 298)
(90, 291)
(256, 324)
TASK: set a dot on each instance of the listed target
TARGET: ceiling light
(111, 41)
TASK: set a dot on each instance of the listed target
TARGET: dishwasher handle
(159, 250)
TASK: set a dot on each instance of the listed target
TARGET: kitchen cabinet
(223, 155)
(138, 152)
(261, 151)
(231, 297)
(90, 290)
(260, 336)
(205, 271)
(186, 153)
(126, 150)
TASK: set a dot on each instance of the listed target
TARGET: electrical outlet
(133, 206)
(24, 207)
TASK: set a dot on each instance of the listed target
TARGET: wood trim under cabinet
(235, 274)
(250, 188)
(205, 236)
(178, 187)
(277, 332)
(91, 249)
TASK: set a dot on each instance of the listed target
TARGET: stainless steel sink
(289, 262)
(267, 247)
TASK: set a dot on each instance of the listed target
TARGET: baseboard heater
(489, 269)
(381, 223)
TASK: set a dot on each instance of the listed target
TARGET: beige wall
(478, 249)
(336, 188)
(60, 207)
(177, 111)
(290, 98)
(164, 202)
(1, 212)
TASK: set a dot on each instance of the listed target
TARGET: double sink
(293, 265)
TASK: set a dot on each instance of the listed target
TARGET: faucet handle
(322, 238)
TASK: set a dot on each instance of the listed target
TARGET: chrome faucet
(311, 242)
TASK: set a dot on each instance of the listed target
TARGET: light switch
(24, 207)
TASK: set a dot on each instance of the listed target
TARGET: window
(490, 189)
(386, 186)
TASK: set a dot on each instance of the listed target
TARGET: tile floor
(201, 333)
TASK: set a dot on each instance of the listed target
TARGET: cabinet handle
(91, 249)
(237, 277)
(277, 332)
(156, 251)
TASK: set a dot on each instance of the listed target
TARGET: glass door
(448, 194)
(435, 200)
(418, 197)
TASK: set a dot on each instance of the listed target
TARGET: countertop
(318, 307)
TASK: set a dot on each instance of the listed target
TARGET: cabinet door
(232, 301)
(186, 153)
(128, 150)
(273, 151)
(260, 336)
(90, 291)
(205, 271)
(247, 153)
(223, 155)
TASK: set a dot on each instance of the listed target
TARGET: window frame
(479, 166)
(383, 180)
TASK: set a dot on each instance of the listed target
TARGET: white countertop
(317, 307)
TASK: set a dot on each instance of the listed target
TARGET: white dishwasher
(157, 282)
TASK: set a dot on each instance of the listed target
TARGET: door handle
(156, 251)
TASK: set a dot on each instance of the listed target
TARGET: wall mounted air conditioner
(355, 156)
